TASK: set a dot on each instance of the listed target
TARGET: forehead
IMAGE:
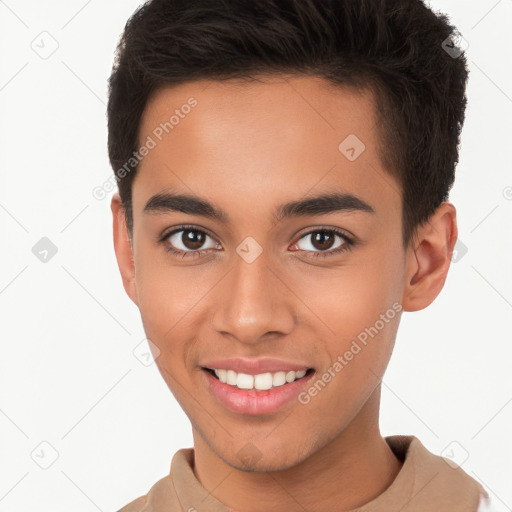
(283, 135)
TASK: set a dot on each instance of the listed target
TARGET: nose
(253, 302)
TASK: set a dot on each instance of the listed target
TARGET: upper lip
(254, 366)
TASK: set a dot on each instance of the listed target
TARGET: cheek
(359, 353)
(348, 299)
(357, 310)
(172, 302)
(167, 293)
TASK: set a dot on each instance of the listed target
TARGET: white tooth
(244, 381)
(263, 381)
(290, 376)
(279, 379)
(260, 382)
(231, 377)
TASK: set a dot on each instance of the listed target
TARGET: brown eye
(192, 240)
(187, 240)
(328, 241)
(323, 240)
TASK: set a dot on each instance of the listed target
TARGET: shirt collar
(425, 482)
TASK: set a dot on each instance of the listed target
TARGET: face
(263, 288)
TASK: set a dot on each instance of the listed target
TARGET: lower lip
(253, 402)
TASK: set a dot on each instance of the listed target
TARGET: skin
(248, 148)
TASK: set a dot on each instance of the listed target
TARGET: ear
(123, 248)
(428, 258)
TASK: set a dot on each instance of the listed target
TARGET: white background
(68, 374)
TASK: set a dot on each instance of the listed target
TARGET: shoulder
(137, 505)
(161, 496)
(449, 487)
(486, 504)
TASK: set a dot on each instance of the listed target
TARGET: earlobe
(429, 257)
(123, 248)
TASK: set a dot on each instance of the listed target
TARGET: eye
(323, 242)
(187, 241)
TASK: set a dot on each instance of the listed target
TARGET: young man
(283, 170)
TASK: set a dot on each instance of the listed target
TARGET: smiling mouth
(259, 382)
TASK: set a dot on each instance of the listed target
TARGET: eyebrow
(319, 205)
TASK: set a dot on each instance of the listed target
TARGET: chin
(253, 460)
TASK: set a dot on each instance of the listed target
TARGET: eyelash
(348, 245)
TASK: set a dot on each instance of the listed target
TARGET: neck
(346, 473)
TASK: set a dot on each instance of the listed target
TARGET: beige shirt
(425, 483)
